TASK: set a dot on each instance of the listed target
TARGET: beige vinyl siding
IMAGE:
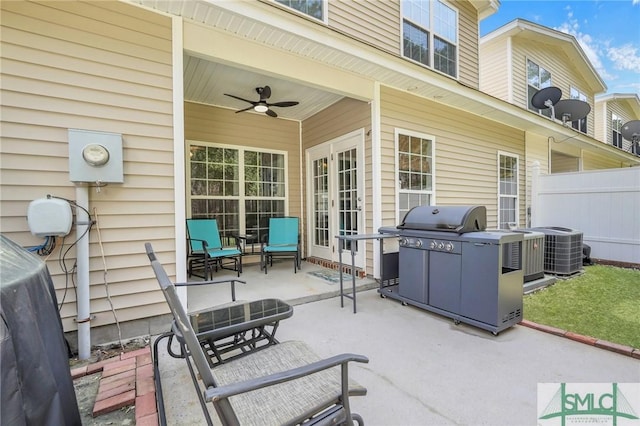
(339, 119)
(592, 161)
(466, 152)
(494, 69)
(205, 123)
(468, 59)
(602, 121)
(564, 72)
(372, 21)
(102, 66)
(564, 163)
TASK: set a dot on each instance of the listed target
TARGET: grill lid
(458, 219)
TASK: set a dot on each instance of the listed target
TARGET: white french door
(335, 197)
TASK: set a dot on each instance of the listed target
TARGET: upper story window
(537, 78)
(416, 183)
(616, 130)
(430, 34)
(313, 8)
(579, 125)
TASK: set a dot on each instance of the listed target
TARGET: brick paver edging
(126, 379)
(592, 341)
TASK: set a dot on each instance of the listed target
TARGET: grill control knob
(433, 245)
(448, 247)
(419, 243)
(403, 241)
(441, 246)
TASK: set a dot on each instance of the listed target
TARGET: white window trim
(431, 37)
(241, 194)
(396, 176)
(325, 11)
(526, 82)
(612, 129)
(586, 99)
(517, 196)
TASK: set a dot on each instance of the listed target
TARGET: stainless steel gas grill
(449, 264)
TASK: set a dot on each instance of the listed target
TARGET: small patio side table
(237, 326)
(353, 239)
(247, 239)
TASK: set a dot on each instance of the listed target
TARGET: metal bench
(284, 383)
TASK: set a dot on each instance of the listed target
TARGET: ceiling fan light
(260, 108)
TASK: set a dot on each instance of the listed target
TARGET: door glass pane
(348, 195)
(321, 202)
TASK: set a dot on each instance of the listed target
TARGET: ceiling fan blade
(243, 110)
(284, 104)
(271, 113)
(241, 99)
(266, 93)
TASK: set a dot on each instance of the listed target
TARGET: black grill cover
(458, 219)
(37, 388)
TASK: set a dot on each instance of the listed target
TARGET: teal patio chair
(283, 240)
(206, 251)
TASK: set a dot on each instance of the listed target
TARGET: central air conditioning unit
(532, 254)
(562, 250)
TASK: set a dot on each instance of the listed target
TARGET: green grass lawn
(603, 302)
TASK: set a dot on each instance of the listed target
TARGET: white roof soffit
(545, 34)
(314, 41)
(486, 8)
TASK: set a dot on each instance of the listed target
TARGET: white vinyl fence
(603, 204)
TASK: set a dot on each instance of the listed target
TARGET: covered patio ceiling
(207, 82)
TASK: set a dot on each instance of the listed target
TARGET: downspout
(82, 272)
(535, 196)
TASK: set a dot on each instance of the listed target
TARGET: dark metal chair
(284, 383)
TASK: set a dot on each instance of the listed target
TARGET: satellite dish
(546, 98)
(631, 130)
(571, 110)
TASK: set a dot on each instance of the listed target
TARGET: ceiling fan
(262, 105)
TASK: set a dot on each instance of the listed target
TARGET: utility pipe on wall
(82, 270)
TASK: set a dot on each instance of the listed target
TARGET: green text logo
(588, 404)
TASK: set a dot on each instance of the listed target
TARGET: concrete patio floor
(423, 369)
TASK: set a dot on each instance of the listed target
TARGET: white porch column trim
(178, 157)
(376, 178)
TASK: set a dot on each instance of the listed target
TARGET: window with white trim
(537, 78)
(579, 125)
(616, 130)
(430, 34)
(313, 8)
(416, 181)
(240, 187)
(507, 190)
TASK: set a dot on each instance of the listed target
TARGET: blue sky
(608, 31)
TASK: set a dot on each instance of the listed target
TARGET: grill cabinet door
(479, 299)
(413, 274)
(444, 281)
